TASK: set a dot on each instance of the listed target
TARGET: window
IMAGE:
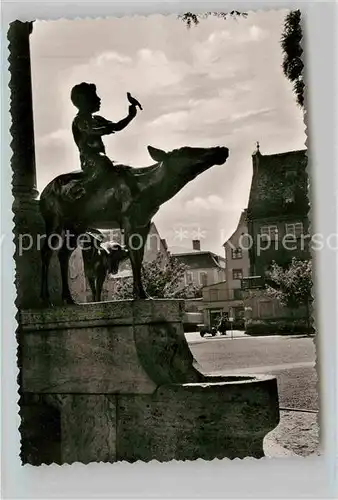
(213, 295)
(188, 277)
(203, 279)
(271, 232)
(236, 253)
(237, 274)
(238, 294)
(252, 282)
(295, 229)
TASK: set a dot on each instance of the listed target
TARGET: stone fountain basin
(121, 383)
(220, 417)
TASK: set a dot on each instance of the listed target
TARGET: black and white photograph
(163, 243)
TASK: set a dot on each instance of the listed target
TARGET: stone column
(23, 160)
(28, 221)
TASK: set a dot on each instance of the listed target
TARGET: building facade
(236, 250)
(226, 296)
(274, 227)
(203, 267)
(277, 214)
(278, 226)
(219, 299)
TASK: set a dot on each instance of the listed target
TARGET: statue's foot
(46, 302)
(68, 301)
(141, 295)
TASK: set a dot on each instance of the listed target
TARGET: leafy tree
(292, 50)
(190, 18)
(291, 286)
(161, 280)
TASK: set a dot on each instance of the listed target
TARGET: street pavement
(290, 358)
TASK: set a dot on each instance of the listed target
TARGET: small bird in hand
(133, 101)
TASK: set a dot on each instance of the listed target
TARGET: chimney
(196, 245)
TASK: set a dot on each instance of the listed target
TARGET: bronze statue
(106, 195)
(88, 130)
(100, 258)
(132, 100)
(112, 203)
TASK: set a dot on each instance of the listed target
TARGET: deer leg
(136, 264)
(46, 255)
(136, 241)
(100, 279)
(90, 276)
(52, 239)
(89, 271)
(64, 255)
(91, 281)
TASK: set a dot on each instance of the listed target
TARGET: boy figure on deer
(88, 130)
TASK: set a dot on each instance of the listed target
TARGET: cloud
(209, 203)
(218, 37)
(218, 84)
(225, 41)
(256, 34)
(106, 57)
(145, 74)
(152, 56)
(175, 119)
(243, 35)
(254, 113)
(59, 135)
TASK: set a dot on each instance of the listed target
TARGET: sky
(220, 83)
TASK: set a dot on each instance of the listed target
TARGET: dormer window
(270, 232)
(295, 229)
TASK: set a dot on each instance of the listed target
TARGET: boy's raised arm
(125, 121)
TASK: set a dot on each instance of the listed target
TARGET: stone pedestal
(121, 384)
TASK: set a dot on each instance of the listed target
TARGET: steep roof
(242, 221)
(200, 259)
(279, 184)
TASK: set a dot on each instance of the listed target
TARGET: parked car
(192, 320)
